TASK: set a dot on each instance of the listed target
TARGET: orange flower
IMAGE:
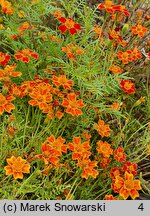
(115, 106)
(104, 162)
(102, 128)
(41, 96)
(127, 86)
(115, 69)
(25, 26)
(17, 166)
(59, 114)
(73, 105)
(115, 172)
(72, 50)
(116, 37)
(68, 24)
(104, 148)
(4, 59)
(139, 30)
(9, 71)
(130, 168)
(47, 157)
(56, 146)
(5, 103)
(88, 168)
(62, 80)
(98, 31)
(108, 6)
(119, 155)
(127, 186)
(57, 13)
(79, 149)
(86, 135)
(6, 7)
(23, 55)
(111, 8)
(125, 56)
(110, 197)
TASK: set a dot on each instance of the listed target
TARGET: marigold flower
(4, 59)
(72, 50)
(16, 167)
(57, 13)
(98, 31)
(104, 148)
(110, 197)
(104, 162)
(40, 96)
(111, 8)
(57, 146)
(6, 7)
(5, 103)
(23, 55)
(127, 186)
(79, 149)
(9, 71)
(68, 24)
(61, 80)
(47, 157)
(127, 86)
(59, 114)
(125, 56)
(130, 168)
(102, 128)
(86, 135)
(115, 106)
(116, 171)
(119, 155)
(73, 105)
(139, 30)
(24, 26)
(88, 168)
(115, 69)
(116, 37)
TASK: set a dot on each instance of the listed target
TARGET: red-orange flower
(6, 7)
(127, 86)
(116, 171)
(5, 103)
(139, 30)
(104, 162)
(115, 69)
(72, 50)
(130, 168)
(111, 8)
(110, 197)
(104, 148)
(115, 106)
(88, 168)
(4, 59)
(61, 80)
(68, 24)
(9, 71)
(119, 155)
(40, 95)
(47, 157)
(102, 128)
(16, 167)
(79, 149)
(73, 105)
(127, 186)
(57, 146)
(25, 54)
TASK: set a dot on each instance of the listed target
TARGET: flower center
(128, 85)
(129, 185)
(69, 24)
